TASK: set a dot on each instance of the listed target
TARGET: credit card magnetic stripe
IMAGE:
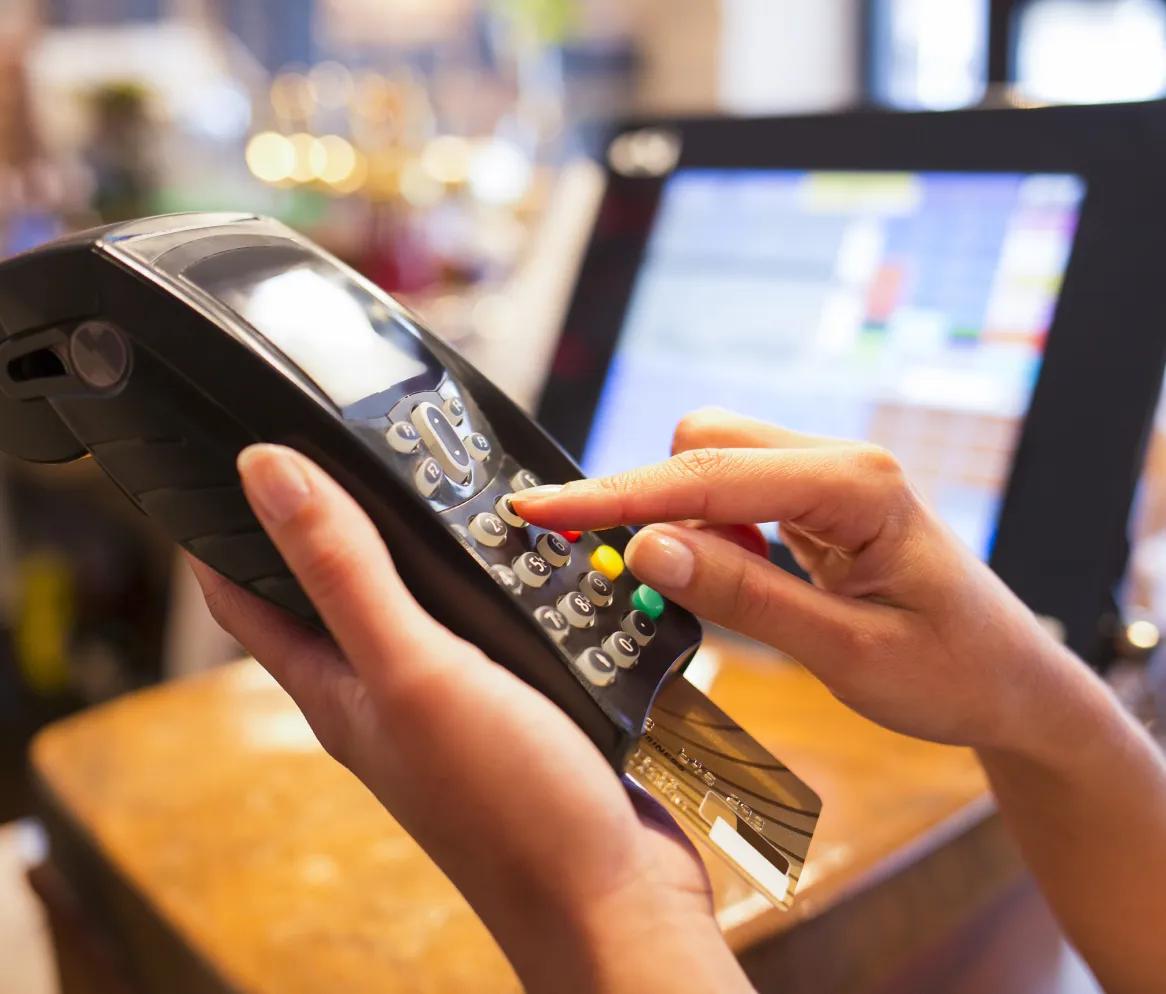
(726, 790)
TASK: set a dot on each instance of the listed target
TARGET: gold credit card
(726, 790)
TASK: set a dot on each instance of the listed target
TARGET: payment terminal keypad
(572, 585)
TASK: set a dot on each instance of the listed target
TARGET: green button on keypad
(647, 600)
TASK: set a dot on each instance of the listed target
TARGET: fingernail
(660, 560)
(274, 480)
(538, 493)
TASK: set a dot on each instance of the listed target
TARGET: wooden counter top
(279, 874)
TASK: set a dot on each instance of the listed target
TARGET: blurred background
(442, 148)
(439, 146)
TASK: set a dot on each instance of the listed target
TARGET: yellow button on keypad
(607, 561)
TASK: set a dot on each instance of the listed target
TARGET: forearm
(1084, 794)
(627, 950)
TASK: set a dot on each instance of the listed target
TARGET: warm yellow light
(418, 186)
(356, 178)
(270, 157)
(447, 159)
(339, 159)
(332, 84)
(1142, 634)
(292, 95)
(310, 157)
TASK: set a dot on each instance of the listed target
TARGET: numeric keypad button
(639, 626)
(597, 588)
(555, 549)
(596, 666)
(524, 479)
(488, 530)
(428, 476)
(507, 513)
(506, 577)
(403, 437)
(577, 609)
(532, 569)
(455, 410)
(478, 446)
(624, 649)
(553, 621)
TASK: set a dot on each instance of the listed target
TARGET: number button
(624, 649)
(507, 513)
(579, 611)
(596, 666)
(532, 569)
(403, 438)
(597, 588)
(479, 446)
(639, 626)
(524, 479)
(455, 410)
(554, 549)
(553, 621)
(488, 530)
(506, 577)
(428, 477)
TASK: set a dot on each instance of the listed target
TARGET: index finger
(840, 494)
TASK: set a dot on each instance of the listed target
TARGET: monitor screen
(907, 309)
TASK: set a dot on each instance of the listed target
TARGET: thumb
(737, 589)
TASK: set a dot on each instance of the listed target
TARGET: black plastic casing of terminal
(197, 392)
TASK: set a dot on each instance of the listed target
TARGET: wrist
(631, 942)
(664, 945)
(1054, 709)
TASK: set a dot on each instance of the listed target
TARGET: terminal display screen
(908, 309)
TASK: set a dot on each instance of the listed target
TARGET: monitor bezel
(1061, 534)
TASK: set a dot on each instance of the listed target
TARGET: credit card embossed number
(726, 790)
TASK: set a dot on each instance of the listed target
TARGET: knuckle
(329, 569)
(699, 464)
(694, 426)
(752, 598)
(616, 485)
(220, 601)
(867, 642)
(877, 461)
(880, 469)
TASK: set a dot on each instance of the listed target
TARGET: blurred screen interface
(907, 309)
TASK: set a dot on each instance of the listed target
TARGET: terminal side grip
(177, 462)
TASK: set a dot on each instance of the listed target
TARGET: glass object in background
(926, 55)
(789, 56)
(1091, 51)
